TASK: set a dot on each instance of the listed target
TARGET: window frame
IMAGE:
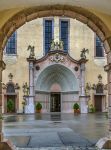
(103, 54)
(12, 54)
(44, 19)
(68, 20)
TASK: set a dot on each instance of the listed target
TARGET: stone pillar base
(29, 108)
(7, 145)
(84, 104)
(104, 143)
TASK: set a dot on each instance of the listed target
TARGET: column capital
(107, 67)
(82, 60)
(31, 59)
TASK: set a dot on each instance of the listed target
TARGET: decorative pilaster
(29, 108)
(83, 97)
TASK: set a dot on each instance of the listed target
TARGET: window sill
(103, 57)
(10, 55)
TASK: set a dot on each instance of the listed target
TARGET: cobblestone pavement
(55, 131)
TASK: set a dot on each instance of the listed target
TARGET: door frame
(60, 100)
(101, 102)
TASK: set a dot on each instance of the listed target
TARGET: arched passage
(52, 76)
(57, 74)
(80, 14)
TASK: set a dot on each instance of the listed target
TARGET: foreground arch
(78, 13)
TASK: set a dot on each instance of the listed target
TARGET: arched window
(99, 47)
(10, 88)
(12, 44)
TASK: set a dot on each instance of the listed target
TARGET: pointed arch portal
(57, 74)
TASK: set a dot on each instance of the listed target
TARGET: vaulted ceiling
(100, 5)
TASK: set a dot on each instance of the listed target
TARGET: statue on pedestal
(83, 53)
(58, 45)
(32, 53)
(25, 89)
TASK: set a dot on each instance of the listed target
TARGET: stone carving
(32, 53)
(57, 58)
(10, 76)
(100, 78)
(83, 53)
(88, 88)
(58, 45)
(99, 87)
(25, 88)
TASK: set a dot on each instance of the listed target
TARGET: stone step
(59, 148)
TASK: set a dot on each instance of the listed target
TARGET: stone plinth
(84, 104)
(29, 108)
(104, 143)
(7, 145)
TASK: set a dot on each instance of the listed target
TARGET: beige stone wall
(32, 34)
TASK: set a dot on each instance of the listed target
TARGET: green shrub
(76, 106)
(92, 108)
(38, 106)
(10, 105)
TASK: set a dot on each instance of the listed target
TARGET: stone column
(31, 78)
(29, 108)
(108, 69)
(82, 68)
(83, 97)
(2, 67)
(107, 140)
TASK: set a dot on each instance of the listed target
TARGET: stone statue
(83, 53)
(61, 45)
(52, 45)
(56, 45)
(32, 53)
(25, 88)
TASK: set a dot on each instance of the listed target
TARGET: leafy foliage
(38, 106)
(92, 108)
(10, 105)
(76, 106)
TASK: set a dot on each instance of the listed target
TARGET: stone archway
(56, 74)
(78, 13)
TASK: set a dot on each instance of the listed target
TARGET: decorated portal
(56, 81)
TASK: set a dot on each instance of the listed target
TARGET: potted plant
(38, 107)
(76, 108)
(10, 105)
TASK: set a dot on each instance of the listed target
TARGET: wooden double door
(98, 103)
(55, 102)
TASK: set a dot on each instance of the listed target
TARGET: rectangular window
(11, 44)
(64, 33)
(99, 47)
(47, 35)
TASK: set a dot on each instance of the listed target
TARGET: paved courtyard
(55, 130)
